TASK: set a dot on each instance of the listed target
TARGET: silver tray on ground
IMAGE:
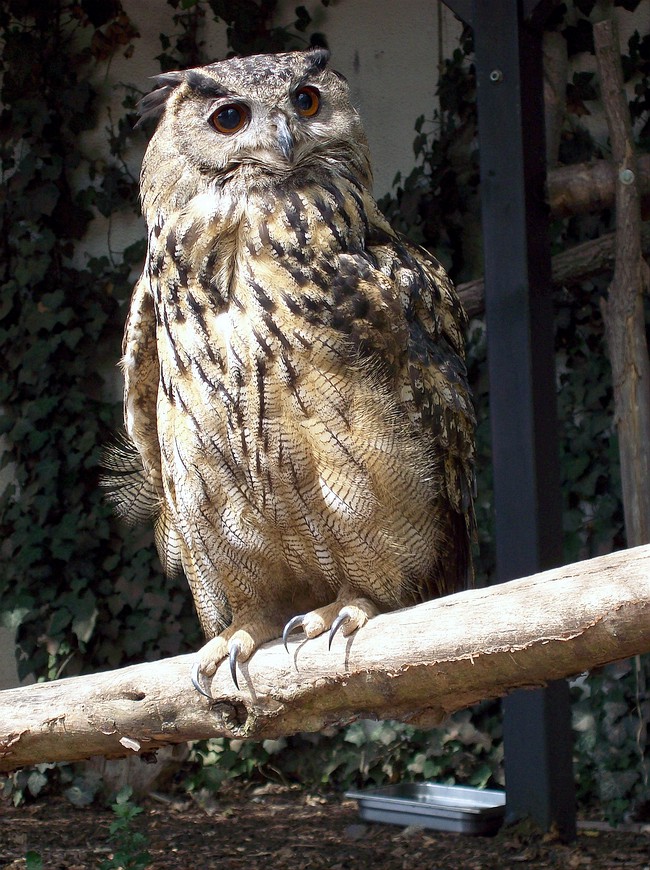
(455, 808)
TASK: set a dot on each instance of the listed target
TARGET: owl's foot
(347, 615)
(235, 644)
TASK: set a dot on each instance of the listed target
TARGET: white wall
(388, 51)
(8, 672)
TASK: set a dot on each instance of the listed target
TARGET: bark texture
(569, 267)
(587, 187)
(623, 310)
(417, 665)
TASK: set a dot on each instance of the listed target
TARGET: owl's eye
(230, 119)
(307, 101)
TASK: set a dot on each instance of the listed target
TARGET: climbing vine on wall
(63, 560)
(79, 589)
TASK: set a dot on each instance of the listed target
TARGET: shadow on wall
(8, 670)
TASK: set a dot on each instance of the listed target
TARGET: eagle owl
(295, 385)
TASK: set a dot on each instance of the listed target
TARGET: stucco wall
(388, 51)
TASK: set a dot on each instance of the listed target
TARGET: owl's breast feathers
(308, 407)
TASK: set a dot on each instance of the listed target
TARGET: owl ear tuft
(153, 104)
(319, 58)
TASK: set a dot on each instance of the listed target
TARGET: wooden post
(623, 310)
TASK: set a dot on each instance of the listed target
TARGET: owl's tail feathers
(129, 488)
(136, 497)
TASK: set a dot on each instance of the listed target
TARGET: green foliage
(129, 845)
(612, 707)
(250, 29)
(611, 715)
(220, 760)
(70, 570)
(79, 588)
(593, 513)
(79, 784)
(636, 68)
(26, 784)
(437, 206)
(33, 860)
(467, 749)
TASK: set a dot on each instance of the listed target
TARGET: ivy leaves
(80, 589)
(63, 552)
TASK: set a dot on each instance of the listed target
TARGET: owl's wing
(441, 398)
(141, 370)
(136, 484)
(134, 480)
(432, 381)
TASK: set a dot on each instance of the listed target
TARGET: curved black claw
(233, 655)
(197, 685)
(292, 625)
(340, 620)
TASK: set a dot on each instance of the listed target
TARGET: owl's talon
(340, 620)
(233, 655)
(196, 671)
(293, 624)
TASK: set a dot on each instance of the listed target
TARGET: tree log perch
(589, 187)
(417, 665)
(569, 267)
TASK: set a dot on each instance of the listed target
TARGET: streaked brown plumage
(294, 378)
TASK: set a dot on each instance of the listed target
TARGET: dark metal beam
(519, 316)
(464, 9)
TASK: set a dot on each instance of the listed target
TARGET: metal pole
(519, 313)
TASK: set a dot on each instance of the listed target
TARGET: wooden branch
(556, 71)
(623, 310)
(589, 187)
(573, 265)
(417, 665)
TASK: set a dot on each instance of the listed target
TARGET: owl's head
(268, 116)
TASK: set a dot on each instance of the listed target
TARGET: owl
(296, 400)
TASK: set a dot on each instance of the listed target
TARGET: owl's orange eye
(307, 101)
(229, 119)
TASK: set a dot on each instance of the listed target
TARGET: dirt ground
(286, 829)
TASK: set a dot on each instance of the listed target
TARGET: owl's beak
(284, 137)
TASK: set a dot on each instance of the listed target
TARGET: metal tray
(455, 808)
